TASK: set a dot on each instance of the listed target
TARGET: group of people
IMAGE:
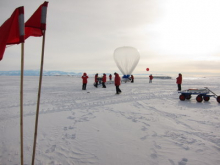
(97, 80)
(117, 81)
(150, 78)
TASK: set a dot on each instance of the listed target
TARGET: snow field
(145, 124)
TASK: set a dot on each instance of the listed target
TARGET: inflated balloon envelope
(126, 58)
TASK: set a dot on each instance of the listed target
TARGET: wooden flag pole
(21, 101)
(38, 100)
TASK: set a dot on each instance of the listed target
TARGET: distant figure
(117, 83)
(179, 81)
(96, 80)
(132, 78)
(110, 77)
(150, 78)
(103, 80)
(84, 78)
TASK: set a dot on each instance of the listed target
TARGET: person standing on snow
(132, 78)
(103, 80)
(96, 80)
(117, 83)
(179, 81)
(110, 77)
(84, 78)
(150, 78)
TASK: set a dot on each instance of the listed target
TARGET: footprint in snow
(68, 136)
(155, 134)
(71, 117)
(71, 127)
(73, 136)
(154, 156)
(183, 161)
(144, 128)
(172, 162)
(144, 137)
(52, 149)
(156, 145)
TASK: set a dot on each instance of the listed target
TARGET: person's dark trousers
(179, 87)
(103, 85)
(132, 80)
(84, 87)
(96, 84)
(118, 90)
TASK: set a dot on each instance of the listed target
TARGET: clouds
(82, 35)
(189, 28)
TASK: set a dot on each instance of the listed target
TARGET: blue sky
(172, 36)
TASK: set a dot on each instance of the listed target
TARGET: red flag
(12, 30)
(37, 22)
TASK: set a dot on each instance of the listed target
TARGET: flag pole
(21, 100)
(38, 100)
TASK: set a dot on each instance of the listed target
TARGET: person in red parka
(103, 80)
(96, 80)
(110, 77)
(117, 83)
(179, 81)
(132, 78)
(150, 78)
(84, 78)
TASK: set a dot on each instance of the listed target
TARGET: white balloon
(126, 58)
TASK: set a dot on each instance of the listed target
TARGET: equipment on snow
(202, 94)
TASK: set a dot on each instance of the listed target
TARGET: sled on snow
(202, 94)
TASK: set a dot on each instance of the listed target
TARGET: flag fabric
(37, 22)
(12, 30)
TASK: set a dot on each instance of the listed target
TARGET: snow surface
(146, 124)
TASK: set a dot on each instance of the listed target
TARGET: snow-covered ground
(146, 124)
